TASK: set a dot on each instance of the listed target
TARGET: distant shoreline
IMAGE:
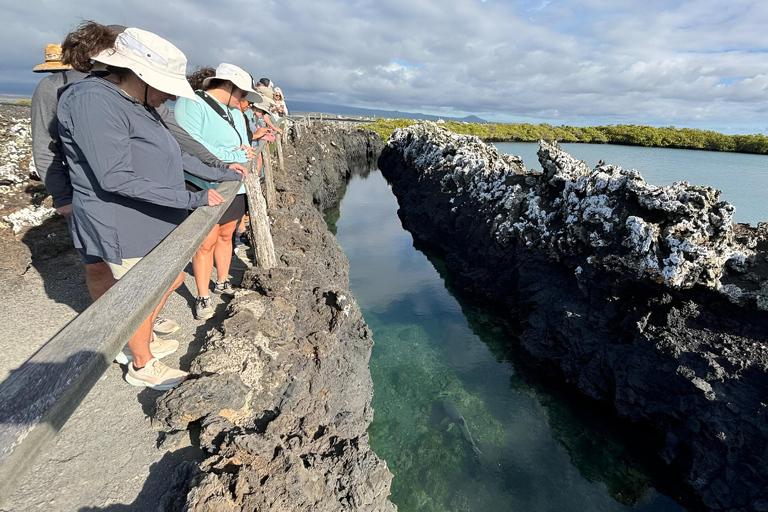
(624, 134)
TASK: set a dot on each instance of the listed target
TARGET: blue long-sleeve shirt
(126, 171)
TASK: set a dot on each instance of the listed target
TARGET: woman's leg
(202, 262)
(222, 252)
(139, 342)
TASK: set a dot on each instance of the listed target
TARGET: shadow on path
(166, 485)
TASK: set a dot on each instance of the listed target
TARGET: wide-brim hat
(156, 61)
(52, 60)
(238, 76)
(264, 104)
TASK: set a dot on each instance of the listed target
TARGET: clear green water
(742, 178)
(536, 453)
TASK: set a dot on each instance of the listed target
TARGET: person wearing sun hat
(126, 169)
(217, 122)
(52, 60)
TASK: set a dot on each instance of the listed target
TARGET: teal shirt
(213, 132)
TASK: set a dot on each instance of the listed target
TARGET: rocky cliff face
(644, 297)
(281, 392)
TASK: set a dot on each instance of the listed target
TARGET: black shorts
(235, 211)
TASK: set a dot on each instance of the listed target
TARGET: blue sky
(700, 64)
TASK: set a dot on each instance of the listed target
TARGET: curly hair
(200, 74)
(88, 40)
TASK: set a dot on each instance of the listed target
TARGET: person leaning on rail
(69, 62)
(126, 172)
(217, 122)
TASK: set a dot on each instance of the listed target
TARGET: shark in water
(451, 415)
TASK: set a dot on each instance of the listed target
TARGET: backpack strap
(216, 106)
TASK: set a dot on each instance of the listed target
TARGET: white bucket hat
(156, 61)
(238, 76)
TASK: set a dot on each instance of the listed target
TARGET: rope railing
(38, 398)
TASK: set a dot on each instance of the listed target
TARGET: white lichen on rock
(28, 217)
(16, 148)
(679, 235)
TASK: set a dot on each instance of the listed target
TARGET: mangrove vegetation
(626, 134)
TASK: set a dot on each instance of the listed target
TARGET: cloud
(689, 63)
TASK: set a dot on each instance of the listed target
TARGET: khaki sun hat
(264, 104)
(52, 60)
(156, 61)
(238, 76)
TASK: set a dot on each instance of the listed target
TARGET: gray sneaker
(155, 375)
(203, 308)
(224, 288)
(165, 326)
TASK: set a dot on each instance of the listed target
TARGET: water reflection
(431, 349)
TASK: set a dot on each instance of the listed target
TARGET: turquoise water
(536, 453)
(742, 178)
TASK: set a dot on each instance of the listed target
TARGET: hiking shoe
(165, 326)
(155, 375)
(203, 308)
(224, 288)
(161, 348)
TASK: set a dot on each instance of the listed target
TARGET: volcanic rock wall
(647, 298)
(281, 393)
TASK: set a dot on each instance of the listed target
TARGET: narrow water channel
(437, 360)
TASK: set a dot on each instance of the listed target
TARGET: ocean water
(538, 449)
(742, 178)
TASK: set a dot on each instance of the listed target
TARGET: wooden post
(269, 183)
(279, 146)
(261, 238)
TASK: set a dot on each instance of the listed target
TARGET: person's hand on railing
(239, 169)
(250, 152)
(214, 198)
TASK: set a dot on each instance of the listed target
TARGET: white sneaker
(155, 375)
(159, 348)
(165, 326)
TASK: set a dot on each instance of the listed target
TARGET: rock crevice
(647, 298)
(281, 392)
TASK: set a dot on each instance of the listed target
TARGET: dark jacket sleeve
(105, 142)
(46, 145)
(187, 143)
(197, 168)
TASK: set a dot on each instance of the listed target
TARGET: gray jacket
(46, 145)
(126, 171)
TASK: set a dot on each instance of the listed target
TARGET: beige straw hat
(156, 61)
(238, 76)
(52, 60)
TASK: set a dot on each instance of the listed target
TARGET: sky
(697, 64)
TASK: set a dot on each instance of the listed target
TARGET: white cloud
(689, 63)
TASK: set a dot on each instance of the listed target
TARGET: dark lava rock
(646, 298)
(282, 392)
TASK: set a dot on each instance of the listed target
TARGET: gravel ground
(106, 456)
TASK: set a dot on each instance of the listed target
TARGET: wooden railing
(40, 396)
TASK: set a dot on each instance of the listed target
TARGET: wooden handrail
(40, 396)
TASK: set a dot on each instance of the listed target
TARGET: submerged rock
(281, 394)
(644, 297)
